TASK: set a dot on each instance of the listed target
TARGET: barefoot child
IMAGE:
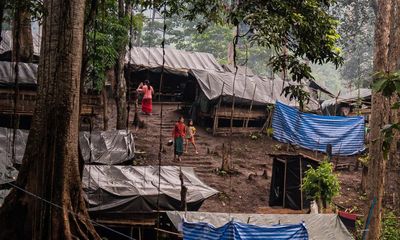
(190, 133)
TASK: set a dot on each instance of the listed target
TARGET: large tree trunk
(379, 117)
(393, 166)
(50, 171)
(22, 18)
(120, 83)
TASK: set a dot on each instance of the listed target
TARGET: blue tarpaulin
(315, 132)
(240, 231)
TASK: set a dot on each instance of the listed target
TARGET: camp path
(250, 157)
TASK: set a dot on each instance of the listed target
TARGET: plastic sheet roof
(174, 59)
(7, 43)
(27, 74)
(122, 189)
(107, 147)
(349, 97)
(267, 91)
(319, 226)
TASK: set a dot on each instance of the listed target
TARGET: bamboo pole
(215, 124)
(284, 185)
(251, 106)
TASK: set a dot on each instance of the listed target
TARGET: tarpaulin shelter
(319, 226)
(114, 190)
(27, 85)
(315, 132)
(107, 147)
(240, 231)
(6, 45)
(146, 64)
(350, 103)
(288, 171)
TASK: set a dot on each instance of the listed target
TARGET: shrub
(321, 184)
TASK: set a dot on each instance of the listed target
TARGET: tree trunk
(393, 165)
(25, 33)
(379, 117)
(120, 83)
(50, 169)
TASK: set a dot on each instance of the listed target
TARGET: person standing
(147, 101)
(179, 134)
(190, 133)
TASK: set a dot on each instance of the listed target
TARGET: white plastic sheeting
(122, 189)
(27, 74)
(174, 59)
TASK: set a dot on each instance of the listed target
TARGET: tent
(107, 147)
(287, 176)
(130, 189)
(319, 226)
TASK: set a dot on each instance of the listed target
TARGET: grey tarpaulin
(319, 226)
(174, 59)
(124, 189)
(268, 91)
(107, 147)
(26, 74)
(6, 42)
(241, 69)
(6, 136)
(349, 97)
(363, 94)
(3, 195)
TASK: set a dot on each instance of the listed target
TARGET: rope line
(69, 211)
(161, 121)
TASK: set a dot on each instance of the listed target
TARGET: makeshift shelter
(6, 45)
(287, 176)
(107, 147)
(27, 85)
(114, 190)
(103, 147)
(319, 226)
(27, 90)
(197, 79)
(315, 132)
(146, 64)
(356, 102)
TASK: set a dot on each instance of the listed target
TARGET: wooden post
(183, 191)
(215, 125)
(301, 181)
(105, 109)
(284, 184)
(251, 106)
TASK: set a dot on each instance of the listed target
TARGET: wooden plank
(142, 222)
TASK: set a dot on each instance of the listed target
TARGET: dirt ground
(238, 193)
